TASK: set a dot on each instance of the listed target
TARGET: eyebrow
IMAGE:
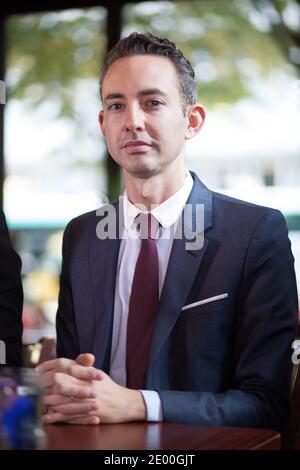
(147, 92)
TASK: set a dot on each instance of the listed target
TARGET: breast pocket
(210, 304)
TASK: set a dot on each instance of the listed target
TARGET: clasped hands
(77, 393)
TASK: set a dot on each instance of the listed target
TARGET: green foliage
(50, 52)
(219, 39)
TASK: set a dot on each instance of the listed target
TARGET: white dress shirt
(167, 214)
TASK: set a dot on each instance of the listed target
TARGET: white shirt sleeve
(153, 405)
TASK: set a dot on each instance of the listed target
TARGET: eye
(154, 103)
(116, 106)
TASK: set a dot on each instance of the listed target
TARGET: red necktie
(143, 304)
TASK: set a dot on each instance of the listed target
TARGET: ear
(195, 119)
(101, 122)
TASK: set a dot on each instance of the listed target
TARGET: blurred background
(246, 55)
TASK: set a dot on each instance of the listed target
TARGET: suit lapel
(103, 260)
(184, 264)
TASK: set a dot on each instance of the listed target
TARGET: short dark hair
(143, 44)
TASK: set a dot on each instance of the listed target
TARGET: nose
(134, 119)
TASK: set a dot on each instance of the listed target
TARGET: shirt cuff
(153, 405)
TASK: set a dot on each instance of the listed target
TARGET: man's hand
(77, 393)
(69, 381)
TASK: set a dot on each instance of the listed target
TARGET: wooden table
(164, 436)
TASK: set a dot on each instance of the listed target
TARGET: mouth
(137, 146)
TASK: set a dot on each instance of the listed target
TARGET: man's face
(142, 118)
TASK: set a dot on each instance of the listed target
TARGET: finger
(52, 418)
(70, 367)
(56, 379)
(62, 384)
(51, 379)
(54, 364)
(73, 390)
(74, 408)
(74, 370)
(89, 420)
(53, 399)
(86, 359)
(85, 372)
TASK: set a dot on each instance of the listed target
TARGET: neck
(147, 193)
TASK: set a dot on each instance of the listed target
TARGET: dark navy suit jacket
(226, 362)
(11, 298)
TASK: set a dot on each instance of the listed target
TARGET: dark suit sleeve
(267, 316)
(67, 337)
(11, 298)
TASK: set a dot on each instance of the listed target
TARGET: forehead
(129, 75)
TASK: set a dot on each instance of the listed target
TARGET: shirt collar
(168, 212)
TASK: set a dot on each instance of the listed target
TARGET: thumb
(85, 359)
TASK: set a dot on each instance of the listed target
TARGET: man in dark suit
(11, 300)
(193, 320)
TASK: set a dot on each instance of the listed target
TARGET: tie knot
(148, 225)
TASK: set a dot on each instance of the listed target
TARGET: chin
(145, 173)
(143, 169)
